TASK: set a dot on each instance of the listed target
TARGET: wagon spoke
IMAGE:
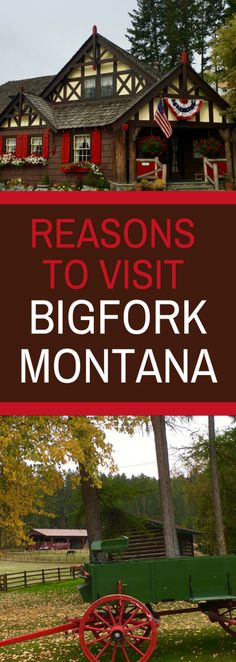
(122, 611)
(121, 627)
(114, 653)
(111, 614)
(103, 650)
(132, 616)
(125, 653)
(99, 616)
(97, 641)
(137, 650)
(139, 624)
(138, 636)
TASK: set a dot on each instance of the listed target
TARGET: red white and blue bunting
(184, 109)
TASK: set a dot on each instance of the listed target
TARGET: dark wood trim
(211, 116)
(151, 113)
(179, 124)
(13, 109)
(88, 44)
(210, 93)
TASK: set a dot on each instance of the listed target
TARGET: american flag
(162, 121)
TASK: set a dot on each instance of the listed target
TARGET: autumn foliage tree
(34, 455)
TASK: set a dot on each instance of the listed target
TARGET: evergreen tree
(162, 28)
(146, 36)
(211, 15)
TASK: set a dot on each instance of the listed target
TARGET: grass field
(181, 638)
(20, 561)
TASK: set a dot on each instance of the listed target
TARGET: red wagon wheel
(226, 617)
(117, 628)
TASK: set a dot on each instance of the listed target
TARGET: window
(106, 86)
(36, 145)
(89, 88)
(10, 145)
(82, 147)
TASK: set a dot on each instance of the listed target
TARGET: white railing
(215, 171)
(159, 170)
(213, 178)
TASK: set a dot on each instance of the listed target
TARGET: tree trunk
(91, 509)
(220, 536)
(167, 508)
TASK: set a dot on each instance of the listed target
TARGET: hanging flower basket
(211, 148)
(153, 146)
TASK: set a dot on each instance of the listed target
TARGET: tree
(210, 15)
(35, 451)
(215, 487)
(166, 499)
(145, 36)
(161, 29)
(224, 53)
(199, 488)
(167, 507)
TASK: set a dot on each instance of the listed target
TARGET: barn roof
(60, 533)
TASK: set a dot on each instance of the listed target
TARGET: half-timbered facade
(98, 109)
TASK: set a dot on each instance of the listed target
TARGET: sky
(136, 455)
(38, 38)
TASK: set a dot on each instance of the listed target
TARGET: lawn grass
(183, 638)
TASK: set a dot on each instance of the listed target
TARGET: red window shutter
(66, 147)
(19, 144)
(25, 142)
(1, 145)
(45, 149)
(96, 146)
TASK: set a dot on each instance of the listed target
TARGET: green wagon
(121, 622)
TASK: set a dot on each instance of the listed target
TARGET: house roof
(61, 533)
(181, 529)
(95, 113)
(32, 85)
(90, 113)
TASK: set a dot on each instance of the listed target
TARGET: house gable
(99, 59)
(27, 111)
(181, 82)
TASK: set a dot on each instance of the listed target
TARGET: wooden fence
(32, 577)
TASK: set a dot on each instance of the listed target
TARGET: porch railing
(213, 170)
(158, 169)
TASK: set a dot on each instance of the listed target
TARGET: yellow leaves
(34, 455)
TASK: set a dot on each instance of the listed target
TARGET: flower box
(19, 161)
(81, 166)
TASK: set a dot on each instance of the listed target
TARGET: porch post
(133, 134)
(234, 151)
(225, 134)
(120, 138)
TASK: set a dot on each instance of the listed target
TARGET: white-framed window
(106, 86)
(82, 147)
(89, 87)
(36, 145)
(10, 145)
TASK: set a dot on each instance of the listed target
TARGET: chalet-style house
(99, 109)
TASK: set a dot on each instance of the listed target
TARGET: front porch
(180, 161)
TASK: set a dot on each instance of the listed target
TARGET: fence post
(25, 578)
(59, 574)
(3, 582)
(43, 577)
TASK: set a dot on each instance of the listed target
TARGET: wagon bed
(121, 623)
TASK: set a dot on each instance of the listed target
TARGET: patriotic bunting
(184, 109)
